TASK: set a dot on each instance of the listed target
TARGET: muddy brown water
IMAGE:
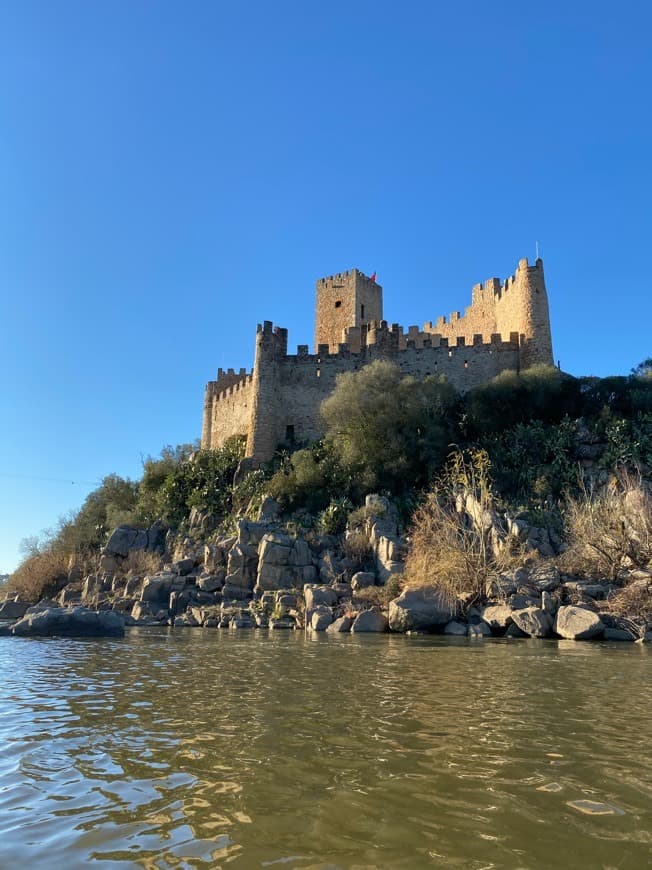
(252, 749)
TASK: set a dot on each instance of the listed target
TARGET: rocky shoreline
(266, 576)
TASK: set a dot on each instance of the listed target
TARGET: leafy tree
(204, 481)
(643, 369)
(538, 393)
(112, 503)
(390, 431)
(535, 461)
(149, 505)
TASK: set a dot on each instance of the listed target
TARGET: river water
(252, 749)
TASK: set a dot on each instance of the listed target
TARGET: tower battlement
(506, 327)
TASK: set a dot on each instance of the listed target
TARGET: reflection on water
(249, 749)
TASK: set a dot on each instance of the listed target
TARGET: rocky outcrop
(370, 621)
(533, 621)
(419, 610)
(13, 609)
(578, 623)
(69, 622)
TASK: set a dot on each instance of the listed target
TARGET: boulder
(183, 566)
(123, 539)
(534, 621)
(362, 580)
(250, 533)
(156, 536)
(545, 577)
(578, 623)
(321, 618)
(370, 621)
(418, 609)
(343, 624)
(186, 620)
(211, 582)
(315, 595)
(157, 588)
(498, 616)
(13, 609)
(269, 510)
(619, 634)
(300, 555)
(70, 622)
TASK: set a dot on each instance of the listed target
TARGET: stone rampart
(506, 327)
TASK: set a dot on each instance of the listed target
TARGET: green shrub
(390, 432)
(204, 481)
(538, 393)
(535, 461)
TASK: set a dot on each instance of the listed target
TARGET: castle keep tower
(349, 299)
(505, 328)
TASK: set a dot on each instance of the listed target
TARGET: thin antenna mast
(537, 247)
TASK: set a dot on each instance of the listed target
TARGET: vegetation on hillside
(386, 432)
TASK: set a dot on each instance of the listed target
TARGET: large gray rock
(300, 555)
(13, 609)
(211, 582)
(70, 622)
(362, 580)
(545, 577)
(126, 538)
(370, 621)
(275, 549)
(269, 510)
(419, 609)
(315, 595)
(578, 623)
(321, 618)
(250, 533)
(343, 624)
(534, 621)
(157, 588)
(497, 616)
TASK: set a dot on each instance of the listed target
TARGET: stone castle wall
(505, 328)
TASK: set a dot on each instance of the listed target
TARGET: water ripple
(190, 749)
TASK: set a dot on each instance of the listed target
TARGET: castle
(506, 327)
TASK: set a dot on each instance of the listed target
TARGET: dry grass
(379, 596)
(40, 575)
(454, 540)
(609, 531)
(356, 546)
(633, 606)
(140, 563)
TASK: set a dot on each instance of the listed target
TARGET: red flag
(373, 277)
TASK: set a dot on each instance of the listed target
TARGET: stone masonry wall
(348, 299)
(506, 327)
(227, 409)
(519, 305)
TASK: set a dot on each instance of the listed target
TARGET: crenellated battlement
(506, 327)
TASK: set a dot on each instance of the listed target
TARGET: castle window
(338, 304)
(450, 354)
(289, 434)
(362, 311)
(318, 373)
(466, 363)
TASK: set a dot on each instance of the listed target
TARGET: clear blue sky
(173, 172)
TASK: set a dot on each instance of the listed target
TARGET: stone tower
(349, 299)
